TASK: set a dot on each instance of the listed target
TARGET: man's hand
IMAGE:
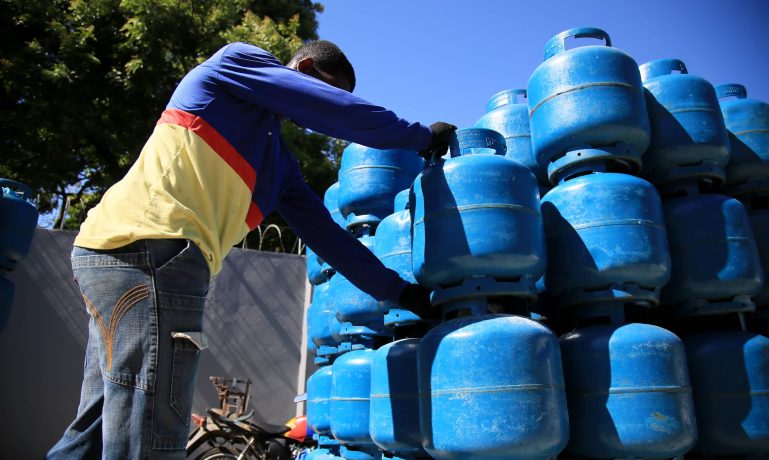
(416, 299)
(440, 143)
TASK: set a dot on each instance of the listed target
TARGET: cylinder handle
(506, 97)
(470, 140)
(557, 44)
(731, 89)
(26, 190)
(660, 67)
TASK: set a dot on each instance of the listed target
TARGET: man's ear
(305, 65)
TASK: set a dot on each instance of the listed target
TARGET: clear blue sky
(431, 60)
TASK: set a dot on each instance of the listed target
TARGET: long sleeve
(257, 77)
(303, 210)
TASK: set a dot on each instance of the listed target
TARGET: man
(214, 166)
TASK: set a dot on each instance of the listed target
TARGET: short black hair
(328, 58)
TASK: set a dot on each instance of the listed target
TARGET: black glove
(416, 299)
(440, 143)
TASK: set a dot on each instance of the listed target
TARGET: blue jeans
(145, 302)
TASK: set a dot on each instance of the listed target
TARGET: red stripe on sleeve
(216, 141)
(254, 216)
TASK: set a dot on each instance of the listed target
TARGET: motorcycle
(228, 433)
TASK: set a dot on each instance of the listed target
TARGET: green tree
(82, 83)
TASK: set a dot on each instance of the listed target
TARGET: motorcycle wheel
(219, 453)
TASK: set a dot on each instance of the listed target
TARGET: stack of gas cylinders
(347, 329)
(18, 219)
(595, 246)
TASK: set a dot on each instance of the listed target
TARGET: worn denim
(145, 302)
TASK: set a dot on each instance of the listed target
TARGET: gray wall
(254, 315)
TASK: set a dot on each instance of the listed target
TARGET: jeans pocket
(187, 348)
(163, 252)
(120, 300)
(180, 267)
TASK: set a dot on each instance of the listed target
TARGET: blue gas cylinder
(19, 219)
(393, 248)
(312, 349)
(314, 263)
(319, 400)
(507, 113)
(689, 139)
(628, 392)
(587, 106)
(477, 226)
(394, 422)
(322, 453)
(351, 305)
(748, 123)
(320, 315)
(370, 178)
(605, 240)
(729, 371)
(491, 389)
(759, 221)
(335, 326)
(331, 201)
(350, 397)
(715, 261)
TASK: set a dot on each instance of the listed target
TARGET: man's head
(325, 61)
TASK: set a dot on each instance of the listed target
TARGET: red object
(198, 420)
(297, 428)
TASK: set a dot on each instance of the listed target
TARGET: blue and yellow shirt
(215, 165)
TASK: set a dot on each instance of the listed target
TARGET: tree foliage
(82, 83)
